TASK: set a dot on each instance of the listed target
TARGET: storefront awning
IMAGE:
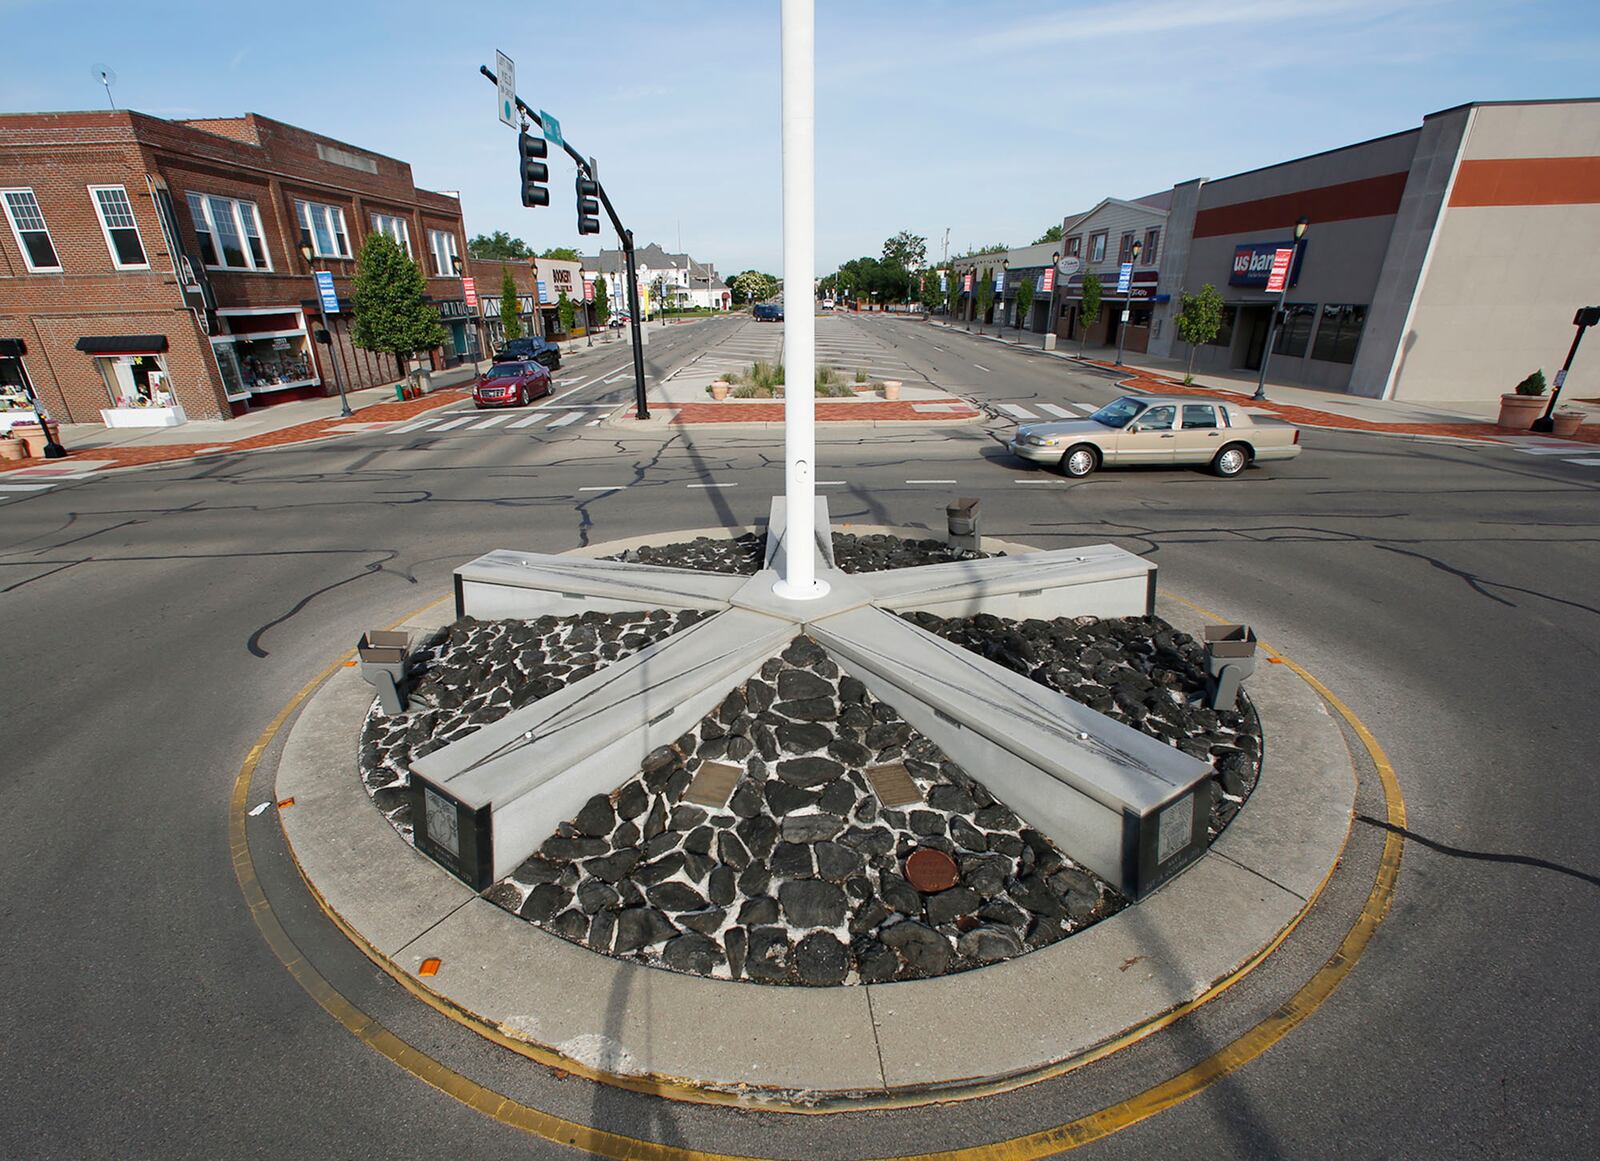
(122, 344)
(13, 348)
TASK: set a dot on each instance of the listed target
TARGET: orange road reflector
(1274, 661)
(349, 664)
(282, 802)
(430, 967)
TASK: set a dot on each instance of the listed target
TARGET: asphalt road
(155, 621)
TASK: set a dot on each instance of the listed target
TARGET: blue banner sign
(325, 291)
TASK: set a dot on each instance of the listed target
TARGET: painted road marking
(1085, 408)
(713, 485)
(930, 481)
(1019, 412)
(1565, 450)
(530, 420)
(604, 488)
(30, 474)
(982, 368)
(429, 422)
(454, 423)
(830, 481)
(614, 378)
(26, 487)
(571, 417)
(1059, 412)
(594, 423)
(490, 422)
(1585, 463)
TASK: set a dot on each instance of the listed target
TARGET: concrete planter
(12, 448)
(1519, 411)
(719, 390)
(1565, 423)
(33, 435)
(891, 389)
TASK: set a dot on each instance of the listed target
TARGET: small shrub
(1534, 384)
(750, 391)
(826, 375)
(835, 391)
(861, 374)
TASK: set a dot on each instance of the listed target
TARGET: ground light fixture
(324, 335)
(1586, 317)
(1300, 228)
(1127, 301)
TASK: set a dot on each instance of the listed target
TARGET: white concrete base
(143, 416)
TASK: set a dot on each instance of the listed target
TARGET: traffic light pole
(641, 408)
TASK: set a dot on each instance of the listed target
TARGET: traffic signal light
(532, 151)
(588, 206)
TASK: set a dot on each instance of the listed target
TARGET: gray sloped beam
(509, 784)
(777, 534)
(1131, 808)
(505, 583)
(1098, 580)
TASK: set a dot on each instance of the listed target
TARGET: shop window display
(136, 380)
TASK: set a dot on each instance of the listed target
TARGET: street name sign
(325, 291)
(552, 128)
(1279, 277)
(505, 74)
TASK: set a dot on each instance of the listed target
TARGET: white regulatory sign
(506, 77)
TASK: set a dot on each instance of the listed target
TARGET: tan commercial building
(1442, 263)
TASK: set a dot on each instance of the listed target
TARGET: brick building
(146, 262)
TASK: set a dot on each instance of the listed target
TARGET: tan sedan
(1158, 429)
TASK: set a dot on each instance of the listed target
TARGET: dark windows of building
(33, 236)
(1152, 246)
(121, 231)
(1125, 248)
(1075, 246)
(1294, 332)
(1339, 333)
(1199, 415)
(1224, 335)
(229, 233)
(325, 226)
(1097, 247)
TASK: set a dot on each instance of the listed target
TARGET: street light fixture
(477, 319)
(1300, 228)
(1127, 301)
(324, 335)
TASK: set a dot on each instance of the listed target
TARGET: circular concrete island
(803, 831)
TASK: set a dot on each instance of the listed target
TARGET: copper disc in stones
(930, 870)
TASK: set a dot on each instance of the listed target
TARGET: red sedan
(511, 385)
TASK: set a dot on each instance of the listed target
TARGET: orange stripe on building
(1528, 181)
(1368, 197)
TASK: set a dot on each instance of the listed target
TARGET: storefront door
(1254, 321)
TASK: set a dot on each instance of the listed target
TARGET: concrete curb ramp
(798, 1046)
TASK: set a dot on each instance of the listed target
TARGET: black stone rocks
(810, 903)
(923, 951)
(820, 959)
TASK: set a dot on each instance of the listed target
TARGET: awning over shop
(122, 344)
(12, 348)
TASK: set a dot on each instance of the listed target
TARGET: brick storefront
(219, 315)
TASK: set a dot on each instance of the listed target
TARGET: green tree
(1024, 302)
(1089, 308)
(985, 296)
(561, 254)
(952, 293)
(498, 245)
(602, 300)
(905, 250)
(1198, 321)
(751, 286)
(564, 312)
(510, 318)
(995, 248)
(389, 312)
(1053, 234)
(929, 292)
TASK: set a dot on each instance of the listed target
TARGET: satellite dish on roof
(107, 76)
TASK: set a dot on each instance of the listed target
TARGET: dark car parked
(537, 350)
(769, 312)
(511, 385)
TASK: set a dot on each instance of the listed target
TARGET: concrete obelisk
(799, 579)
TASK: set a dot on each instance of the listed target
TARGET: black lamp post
(17, 348)
(323, 335)
(477, 318)
(1586, 317)
(1300, 228)
(1127, 300)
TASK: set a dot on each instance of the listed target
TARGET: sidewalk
(1306, 406)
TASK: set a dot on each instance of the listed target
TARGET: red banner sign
(1279, 277)
(469, 287)
(1049, 279)
(588, 290)
(966, 281)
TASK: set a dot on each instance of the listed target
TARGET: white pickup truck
(1158, 429)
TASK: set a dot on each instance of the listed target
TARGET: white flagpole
(799, 580)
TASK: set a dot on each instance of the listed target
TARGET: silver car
(1158, 429)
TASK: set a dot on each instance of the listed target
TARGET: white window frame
(105, 227)
(381, 223)
(16, 230)
(333, 219)
(440, 257)
(210, 226)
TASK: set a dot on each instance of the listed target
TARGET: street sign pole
(1282, 263)
(326, 297)
(1124, 288)
(1586, 317)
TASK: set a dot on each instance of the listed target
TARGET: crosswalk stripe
(571, 417)
(26, 487)
(1546, 451)
(529, 421)
(429, 422)
(454, 423)
(1019, 412)
(1585, 463)
(490, 422)
(1058, 412)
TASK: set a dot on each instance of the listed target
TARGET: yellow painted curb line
(1045, 1143)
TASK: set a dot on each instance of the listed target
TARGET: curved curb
(803, 1049)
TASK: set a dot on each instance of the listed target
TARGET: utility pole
(641, 407)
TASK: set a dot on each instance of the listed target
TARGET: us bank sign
(1252, 263)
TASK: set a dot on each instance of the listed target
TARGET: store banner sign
(469, 287)
(544, 292)
(966, 281)
(943, 285)
(1048, 283)
(1000, 283)
(588, 290)
(325, 291)
(1278, 277)
(1124, 277)
(1252, 263)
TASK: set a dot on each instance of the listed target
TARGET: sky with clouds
(989, 120)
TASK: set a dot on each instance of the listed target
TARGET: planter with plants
(34, 436)
(1518, 409)
(719, 390)
(12, 448)
(1566, 422)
